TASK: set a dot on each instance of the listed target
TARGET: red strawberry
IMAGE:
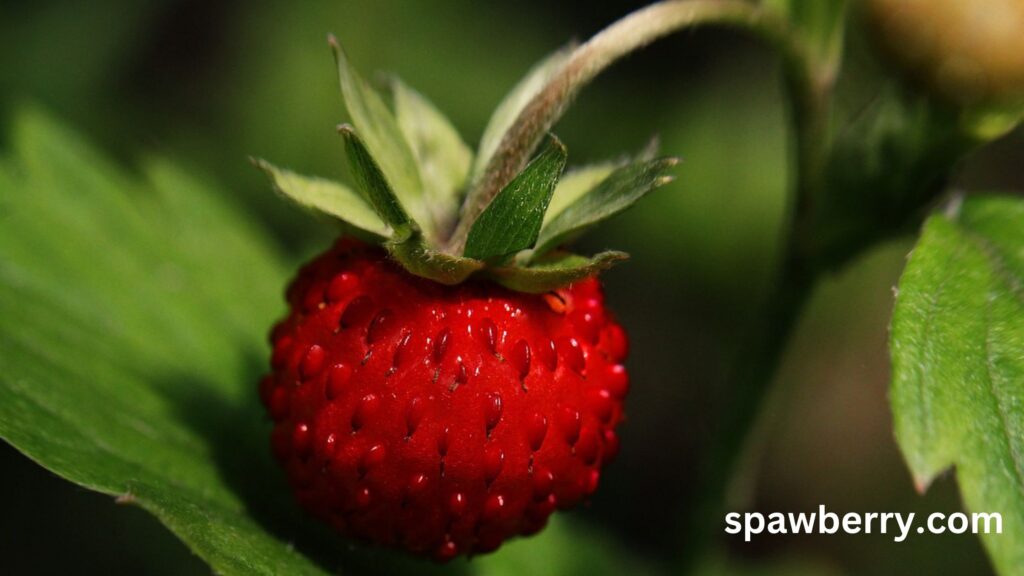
(451, 389)
(442, 420)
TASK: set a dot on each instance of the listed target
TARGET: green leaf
(575, 183)
(131, 313)
(555, 270)
(613, 195)
(383, 137)
(133, 319)
(513, 103)
(957, 345)
(513, 219)
(443, 158)
(326, 196)
(374, 186)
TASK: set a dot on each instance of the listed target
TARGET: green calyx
(412, 174)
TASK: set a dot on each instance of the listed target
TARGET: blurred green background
(209, 83)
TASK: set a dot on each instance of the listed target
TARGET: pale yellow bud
(970, 52)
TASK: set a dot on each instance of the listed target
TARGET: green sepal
(579, 180)
(416, 257)
(614, 194)
(512, 221)
(407, 244)
(382, 135)
(372, 183)
(576, 182)
(553, 271)
(410, 167)
(443, 159)
(327, 196)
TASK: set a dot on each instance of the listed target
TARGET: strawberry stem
(632, 32)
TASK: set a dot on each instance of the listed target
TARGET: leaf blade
(91, 413)
(513, 219)
(958, 362)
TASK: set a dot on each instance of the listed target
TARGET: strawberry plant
(448, 372)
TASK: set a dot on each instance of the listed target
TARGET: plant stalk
(625, 36)
(735, 452)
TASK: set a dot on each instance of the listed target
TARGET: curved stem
(632, 32)
(809, 84)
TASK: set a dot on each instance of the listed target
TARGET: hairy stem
(620, 39)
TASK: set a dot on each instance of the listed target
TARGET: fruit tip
(345, 128)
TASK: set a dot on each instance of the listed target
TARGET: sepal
(553, 271)
(327, 196)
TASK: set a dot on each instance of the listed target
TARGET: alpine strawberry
(440, 419)
(451, 388)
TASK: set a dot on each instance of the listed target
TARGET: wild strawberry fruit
(441, 419)
(453, 385)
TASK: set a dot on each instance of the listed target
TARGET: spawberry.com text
(898, 524)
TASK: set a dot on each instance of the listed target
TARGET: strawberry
(441, 419)
(447, 377)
